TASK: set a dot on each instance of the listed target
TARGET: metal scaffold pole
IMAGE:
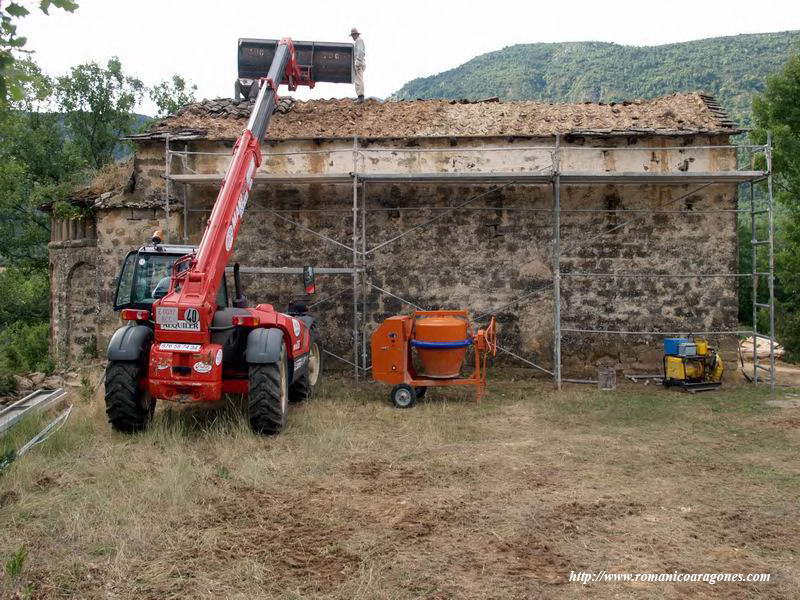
(754, 260)
(355, 258)
(364, 277)
(771, 234)
(185, 205)
(167, 184)
(557, 265)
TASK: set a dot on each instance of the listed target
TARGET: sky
(404, 39)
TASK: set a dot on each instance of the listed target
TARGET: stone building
(442, 204)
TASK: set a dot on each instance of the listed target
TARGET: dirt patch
(531, 558)
(46, 483)
(8, 497)
(381, 476)
(293, 534)
(602, 509)
(745, 528)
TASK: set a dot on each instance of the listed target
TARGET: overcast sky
(404, 39)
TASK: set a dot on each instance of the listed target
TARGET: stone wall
(73, 283)
(489, 256)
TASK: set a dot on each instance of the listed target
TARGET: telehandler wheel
(305, 386)
(403, 396)
(268, 399)
(129, 407)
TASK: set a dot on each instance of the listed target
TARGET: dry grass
(447, 500)
(112, 177)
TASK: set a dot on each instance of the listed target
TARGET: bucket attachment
(326, 61)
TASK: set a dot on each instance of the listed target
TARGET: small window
(125, 282)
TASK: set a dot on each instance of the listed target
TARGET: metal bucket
(329, 61)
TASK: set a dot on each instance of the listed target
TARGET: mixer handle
(490, 335)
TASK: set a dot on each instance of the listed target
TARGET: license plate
(179, 347)
(167, 315)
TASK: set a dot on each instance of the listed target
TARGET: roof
(224, 119)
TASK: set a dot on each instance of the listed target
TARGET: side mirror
(308, 280)
(239, 299)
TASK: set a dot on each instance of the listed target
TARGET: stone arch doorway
(81, 311)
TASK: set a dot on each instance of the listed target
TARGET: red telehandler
(185, 340)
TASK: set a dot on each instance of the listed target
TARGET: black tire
(268, 397)
(403, 396)
(421, 391)
(128, 407)
(305, 386)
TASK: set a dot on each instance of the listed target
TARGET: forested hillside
(730, 68)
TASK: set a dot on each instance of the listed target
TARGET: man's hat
(355, 31)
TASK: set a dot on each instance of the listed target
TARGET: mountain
(730, 68)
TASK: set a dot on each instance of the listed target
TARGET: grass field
(446, 500)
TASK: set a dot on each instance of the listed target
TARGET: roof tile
(223, 118)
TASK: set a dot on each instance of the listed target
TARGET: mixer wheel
(403, 396)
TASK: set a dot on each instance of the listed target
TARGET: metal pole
(557, 265)
(364, 277)
(355, 257)
(753, 259)
(771, 265)
(186, 206)
(167, 183)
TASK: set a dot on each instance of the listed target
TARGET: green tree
(37, 164)
(169, 96)
(98, 108)
(12, 44)
(777, 110)
(24, 296)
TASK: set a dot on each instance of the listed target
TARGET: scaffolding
(554, 176)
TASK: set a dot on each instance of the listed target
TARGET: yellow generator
(690, 363)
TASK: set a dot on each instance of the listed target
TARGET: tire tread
(123, 398)
(264, 398)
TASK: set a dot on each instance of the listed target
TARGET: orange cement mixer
(439, 339)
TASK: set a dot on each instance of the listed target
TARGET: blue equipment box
(672, 345)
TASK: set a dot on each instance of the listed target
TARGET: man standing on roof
(359, 62)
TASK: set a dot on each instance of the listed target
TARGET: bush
(8, 384)
(787, 324)
(26, 347)
(24, 296)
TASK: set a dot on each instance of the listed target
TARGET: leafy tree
(37, 164)
(12, 45)
(776, 110)
(98, 104)
(169, 96)
(24, 296)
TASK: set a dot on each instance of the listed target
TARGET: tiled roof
(679, 114)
